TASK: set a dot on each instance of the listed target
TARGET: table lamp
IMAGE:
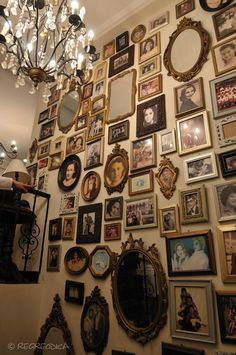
(17, 170)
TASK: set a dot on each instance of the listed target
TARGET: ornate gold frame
(167, 186)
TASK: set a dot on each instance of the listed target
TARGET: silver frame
(220, 132)
(201, 177)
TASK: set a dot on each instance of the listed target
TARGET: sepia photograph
(224, 56)
(149, 47)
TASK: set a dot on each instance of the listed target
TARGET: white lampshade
(16, 170)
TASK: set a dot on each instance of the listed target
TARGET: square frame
(184, 7)
(149, 47)
(47, 130)
(57, 145)
(112, 231)
(69, 233)
(89, 226)
(228, 163)
(113, 208)
(202, 302)
(202, 167)
(94, 152)
(224, 129)
(220, 64)
(118, 132)
(167, 141)
(227, 246)
(141, 183)
(159, 21)
(170, 349)
(121, 61)
(169, 220)
(220, 18)
(54, 257)
(74, 292)
(145, 145)
(55, 227)
(193, 205)
(226, 306)
(69, 203)
(224, 194)
(150, 87)
(122, 41)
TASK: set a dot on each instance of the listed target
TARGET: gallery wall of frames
(146, 148)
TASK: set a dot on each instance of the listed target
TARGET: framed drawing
(112, 231)
(226, 131)
(190, 253)
(43, 116)
(121, 61)
(87, 91)
(33, 150)
(76, 260)
(225, 194)
(166, 141)
(193, 205)
(141, 183)
(202, 167)
(53, 111)
(143, 153)
(100, 261)
(100, 72)
(116, 170)
(166, 177)
(150, 87)
(113, 208)
(228, 163)
(150, 67)
(184, 7)
(193, 133)
(189, 97)
(57, 145)
(75, 144)
(109, 49)
(89, 223)
(55, 161)
(69, 203)
(140, 212)
(227, 247)
(158, 21)
(223, 56)
(118, 132)
(196, 298)
(173, 349)
(222, 95)
(55, 227)
(81, 122)
(74, 292)
(138, 33)
(69, 225)
(226, 304)
(32, 170)
(149, 47)
(122, 41)
(43, 163)
(224, 21)
(169, 220)
(47, 130)
(54, 255)
(98, 103)
(99, 88)
(90, 186)
(69, 173)
(94, 154)
(151, 116)
(86, 106)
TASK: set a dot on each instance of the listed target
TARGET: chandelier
(10, 153)
(46, 41)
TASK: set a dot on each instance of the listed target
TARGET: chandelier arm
(37, 28)
(10, 153)
(61, 65)
(58, 12)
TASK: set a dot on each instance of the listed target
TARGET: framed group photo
(193, 205)
(121, 61)
(227, 246)
(89, 223)
(150, 67)
(150, 87)
(95, 126)
(75, 144)
(158, 21)
(184, 7)
(225, 197)
(200, 168)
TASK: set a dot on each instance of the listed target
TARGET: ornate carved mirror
(69, 109)
(139, 290)
(182, 59)
(55, 331)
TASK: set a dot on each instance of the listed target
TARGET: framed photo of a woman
(214, 5)
(226, 304)
(227, 247)
(69, 173)
(169, 220)
(87, 91)
(189, 97)
(143, 153)
(151, 116)
(224, 56)
(90, 186)
(113, 208)
(149, 47)
(226, 200)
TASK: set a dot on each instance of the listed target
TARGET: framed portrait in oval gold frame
(90, 186)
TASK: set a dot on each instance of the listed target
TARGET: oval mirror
(139, 291)
(69, 109)
(185, 67)
(54, 336)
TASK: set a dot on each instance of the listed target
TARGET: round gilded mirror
(69, 109)
(185, 67)
(139, 291)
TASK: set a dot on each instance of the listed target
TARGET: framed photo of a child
(224, 56)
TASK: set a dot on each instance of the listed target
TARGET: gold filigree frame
(166, 177)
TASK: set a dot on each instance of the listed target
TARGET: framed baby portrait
(225, 197)
(227, 247)
(169, 220)
(189, 97)
(224, 56)
(190, 253)
(143, 153)
(151, 116)
(226, 304)
(149, 47)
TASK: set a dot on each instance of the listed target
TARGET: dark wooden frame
(44, 115)
(106, 203)
(58, 222)
(222, 297)
(170, 349)
(119, 46)
(56, 267)
(79, 286)
(87, 238)
(107, 238)
(226, 172)
(111, 139)
(61, 174)
(83, 254)
(51, 125)
(129, 63)
(215, 21)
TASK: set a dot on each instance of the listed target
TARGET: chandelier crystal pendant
(45, 42)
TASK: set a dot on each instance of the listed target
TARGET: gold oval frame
(98, 185)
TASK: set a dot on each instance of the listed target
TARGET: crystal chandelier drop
(45, 42)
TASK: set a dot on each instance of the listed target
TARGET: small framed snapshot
(98, 104)
(53, 111)
(138, 33)
(75, 144)
(47, 130)
(158, 21)
(69, 172)
(226, 304)
(193, 205)
(99, 88)
(113, 208)
(224, 21)
(223, 56)
(143, 153)
(167, 142)
(90, 186)
(69, 203)
(87, 91)
(189, 97)
(190, 253)
(100, 72)
(227, 247)
(33, 150)
(54, 256)
(44, 115)
(226, 131)
(32, 170)
(69, 226)
(151, 116)
(141, 183)
(42, 181)
(201, 167)
(112, 231)
(228, 163)
(121, 61)
(196, 298)
(222, 95)
(118, 132)
(94, 154)
(100, 261)
(85, 106)
(95, 126)
(109, 49)
(149, 47)
(43, 149)
(55, 228)
(74, 292)
(169, 220)
(173, 349)
(150, 87)
(76, 260)
(122, 41)
(55, 161)
(193, 133)
(43, 163)
(57, 145)
(55, 95)
(89, 223)
(140, 212)
(225, 195)
(81, 122)
(184, 7)
(150, 67)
